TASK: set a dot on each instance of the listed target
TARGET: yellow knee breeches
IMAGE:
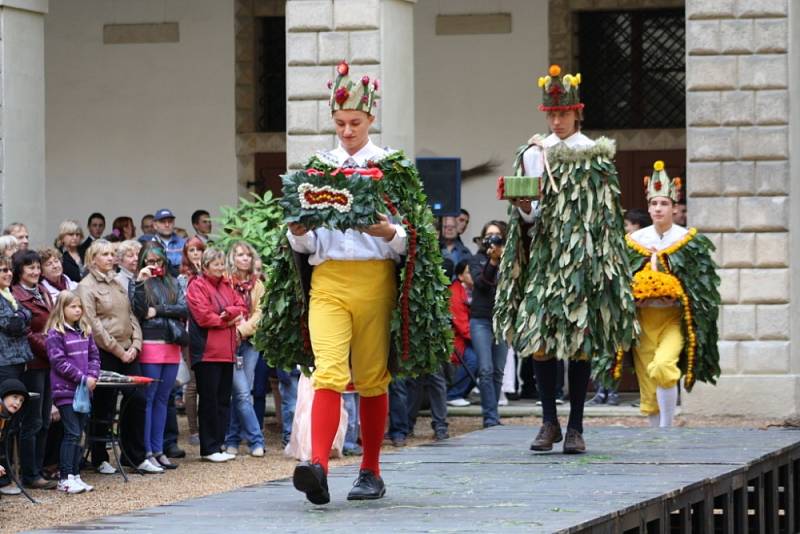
(656, 357)
(349, 313)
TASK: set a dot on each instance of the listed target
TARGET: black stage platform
(631, 480)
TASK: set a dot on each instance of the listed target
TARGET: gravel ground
(194, 478)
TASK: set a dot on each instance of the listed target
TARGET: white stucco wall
(476, 95)
(135, 127)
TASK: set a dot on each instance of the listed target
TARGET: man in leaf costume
(564, 288)
(357, 308)
(675, 287)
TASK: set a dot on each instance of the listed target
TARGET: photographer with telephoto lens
(491, 352)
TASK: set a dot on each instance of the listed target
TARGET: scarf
(34, 291)
(243, 287)
(60, 284)
(6, 293)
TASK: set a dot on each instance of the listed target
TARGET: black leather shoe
(549, 433)
(311, 480)
(175, 452)
(368, 486)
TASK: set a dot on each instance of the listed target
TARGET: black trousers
(131, 426)
(214, 384)
(6, 372)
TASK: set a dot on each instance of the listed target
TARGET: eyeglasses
(153, 262)
(5, 270)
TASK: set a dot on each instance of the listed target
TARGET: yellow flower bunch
(650, 284)
(542, 81)
(658, 165)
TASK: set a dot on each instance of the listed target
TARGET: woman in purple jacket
(73, 357)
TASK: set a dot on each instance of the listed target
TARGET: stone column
(376, 37)
(22, 156)
(739, 194)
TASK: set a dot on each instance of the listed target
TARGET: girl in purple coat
(73, 357)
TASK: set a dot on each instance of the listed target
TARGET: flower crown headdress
(560, 93)
(349, 94)
(660, 185)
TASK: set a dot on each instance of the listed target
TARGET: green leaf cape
(690, 262)
(568, 293)
(420, 326)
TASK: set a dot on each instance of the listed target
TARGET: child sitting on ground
(13, 394)
(73, 358)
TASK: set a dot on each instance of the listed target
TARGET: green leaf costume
(568, 293)
(690, 262)
(420, 326)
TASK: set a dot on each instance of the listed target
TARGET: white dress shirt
(533, 162)
(351, 245)
(649, 238)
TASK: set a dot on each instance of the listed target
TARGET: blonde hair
(7, 242)
(98, 246)
(58, 322)
(129, 245)
(67, 227)
(230, 259)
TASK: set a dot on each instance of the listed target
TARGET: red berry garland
(411, 259)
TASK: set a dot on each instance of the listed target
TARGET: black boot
(311, 480)
(368, 486)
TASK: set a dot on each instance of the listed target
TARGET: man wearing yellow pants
(355, 309)
(666, 294)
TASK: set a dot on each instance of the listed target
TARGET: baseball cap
(163, 214)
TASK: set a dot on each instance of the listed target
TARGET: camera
(157, 271)
(493, 241)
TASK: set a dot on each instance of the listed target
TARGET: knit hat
(660, 185)
(560, 93)
(12, 385)
(347, 94)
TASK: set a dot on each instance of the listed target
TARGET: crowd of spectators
(163, 304)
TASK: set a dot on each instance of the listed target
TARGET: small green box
(518, 187)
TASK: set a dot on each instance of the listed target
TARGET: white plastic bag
(299, 446)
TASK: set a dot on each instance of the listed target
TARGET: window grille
(633, 68)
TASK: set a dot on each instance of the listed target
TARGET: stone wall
(738, 164)
(320, 34)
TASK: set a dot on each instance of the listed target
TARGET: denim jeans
(436, 387)
(243, 421)
(287, 384)
(156, 399)
(491, 362)
(462, 382)
(351, 405)
(398, 408)
(71, 450)
(35, 423)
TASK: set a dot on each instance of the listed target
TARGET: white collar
(575, 140)
(368, 152)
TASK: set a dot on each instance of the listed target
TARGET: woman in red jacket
(463, 356)
(33, 296)
(215, 310)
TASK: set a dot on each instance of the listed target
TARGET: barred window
(271, 74)
(633, 68)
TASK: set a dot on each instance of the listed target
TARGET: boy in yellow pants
(666, 293)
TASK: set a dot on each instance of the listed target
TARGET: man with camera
(491, 352)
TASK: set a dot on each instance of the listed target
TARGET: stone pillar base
(773, 396)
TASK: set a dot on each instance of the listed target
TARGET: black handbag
(176, 333)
